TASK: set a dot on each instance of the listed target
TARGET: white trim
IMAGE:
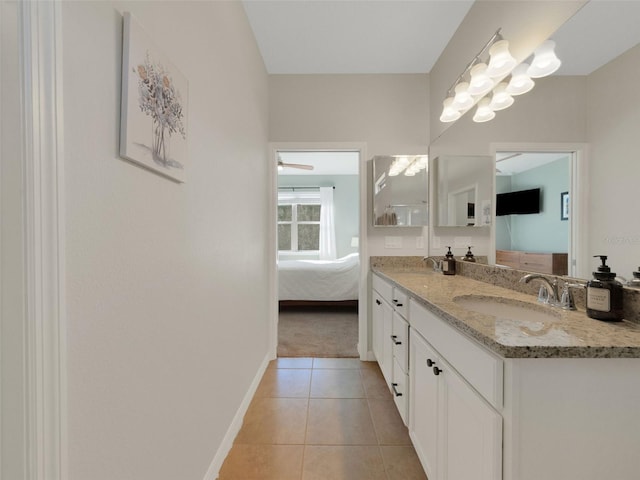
(44, 220)
(363, 322)
(229, 437)
(579, 221)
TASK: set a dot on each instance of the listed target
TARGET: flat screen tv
(518, 203)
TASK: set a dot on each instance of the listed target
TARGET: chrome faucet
(549, 291)
(437, 264)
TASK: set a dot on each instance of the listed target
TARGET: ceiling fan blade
(296, 165)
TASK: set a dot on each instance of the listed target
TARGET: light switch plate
(392, 242)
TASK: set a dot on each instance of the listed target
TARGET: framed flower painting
(153, 124)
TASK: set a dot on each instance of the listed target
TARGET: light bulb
(449, 114)
(480, 83)
(501, 61)
(520, 82)
(462, 100)
(544, 61)
(500, 98)
(484, 113)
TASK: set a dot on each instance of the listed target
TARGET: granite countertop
(566, 335)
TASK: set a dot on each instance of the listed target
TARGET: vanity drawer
(384, 288)
(400, 341)
(479, 367)
(400, 302)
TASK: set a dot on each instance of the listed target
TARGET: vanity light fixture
(500, 99)
(484, 113)
(410, 165)
(520, 81)
(545, 61)
(501, 77)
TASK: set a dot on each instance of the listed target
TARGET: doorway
(318, 269)
(552, 224)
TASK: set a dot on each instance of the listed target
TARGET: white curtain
(327, 227)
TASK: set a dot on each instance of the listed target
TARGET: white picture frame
(153, 118)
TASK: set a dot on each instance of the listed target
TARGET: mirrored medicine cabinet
(464, 190)
(400, 191)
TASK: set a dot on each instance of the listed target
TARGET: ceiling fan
(282, 165)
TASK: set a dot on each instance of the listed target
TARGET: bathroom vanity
(532, 392)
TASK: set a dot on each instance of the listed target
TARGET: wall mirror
(400, 191)
(532, 227)
(464, 193)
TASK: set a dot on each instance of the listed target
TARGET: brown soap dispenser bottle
(449, 263)
(604, 294)
(468, 257)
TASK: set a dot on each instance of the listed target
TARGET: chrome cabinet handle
(395, 390)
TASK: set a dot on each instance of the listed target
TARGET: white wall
(613, 123)
(388, 112)
(167, 283)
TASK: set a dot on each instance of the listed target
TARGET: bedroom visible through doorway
(318, 262)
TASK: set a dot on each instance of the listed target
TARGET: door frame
(361, 148)
(41, 211)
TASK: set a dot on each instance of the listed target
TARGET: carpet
(318, 334)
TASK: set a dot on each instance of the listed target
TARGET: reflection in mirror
(400, 190)
(464, 190)
(532, 230)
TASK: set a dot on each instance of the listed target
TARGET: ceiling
(399, 36)
(511, 163)
(324, 163)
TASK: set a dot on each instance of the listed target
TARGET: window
(299, 221)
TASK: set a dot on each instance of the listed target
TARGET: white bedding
(320, 280)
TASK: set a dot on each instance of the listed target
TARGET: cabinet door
(377, 325)
(423, 402)
(387, 344)
(470, 432)
(382, 320)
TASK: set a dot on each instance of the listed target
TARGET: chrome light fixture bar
(501, 77)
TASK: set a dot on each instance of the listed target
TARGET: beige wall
(390, 113)
(163, 339)
(613, 127)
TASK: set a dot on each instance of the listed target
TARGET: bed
(319, 280)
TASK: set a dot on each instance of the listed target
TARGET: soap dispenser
(449, 263)
(469, 255)
(635, 281)
(604, 294)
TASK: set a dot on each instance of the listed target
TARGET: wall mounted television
(521, 202)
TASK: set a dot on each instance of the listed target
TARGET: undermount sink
(506, 308)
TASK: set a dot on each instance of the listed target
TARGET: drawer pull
(395, 302)
(436, 371)
(395, 390)
(393, 339)
(430, 363)
(378, 302)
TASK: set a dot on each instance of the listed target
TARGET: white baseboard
(236, 424)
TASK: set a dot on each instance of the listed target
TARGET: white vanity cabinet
(391, 339)
(456, 432)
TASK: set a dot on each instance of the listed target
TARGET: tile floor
(322, 419)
